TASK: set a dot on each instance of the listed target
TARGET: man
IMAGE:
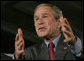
(55, 31)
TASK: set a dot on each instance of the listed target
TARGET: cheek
(53, 27)
(35, 25)
(50, 27)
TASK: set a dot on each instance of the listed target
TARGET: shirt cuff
(76, 48)
(13, 57)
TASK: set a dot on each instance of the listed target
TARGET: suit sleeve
(77, 48)
(28, 54)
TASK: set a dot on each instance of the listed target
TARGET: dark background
(15, 14)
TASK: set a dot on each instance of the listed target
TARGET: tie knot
(51, 45)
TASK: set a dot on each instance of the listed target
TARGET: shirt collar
(55, 41)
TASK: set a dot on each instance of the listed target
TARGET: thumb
(61, 19)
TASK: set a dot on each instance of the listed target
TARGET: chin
(42, 35)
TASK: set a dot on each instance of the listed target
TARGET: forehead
(42, 9)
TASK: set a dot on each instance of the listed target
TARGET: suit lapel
(44, 55)
(60, 49)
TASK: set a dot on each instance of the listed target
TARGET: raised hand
(19, 45)
(67, 31)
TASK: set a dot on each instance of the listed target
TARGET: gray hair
(56, 11)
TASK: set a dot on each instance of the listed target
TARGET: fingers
(68, 37)
(19, 44)
(17, 37)
(67, 34)
(63, 21)
(20, 34)
(66, 29)
(20, 53)
(67, 40)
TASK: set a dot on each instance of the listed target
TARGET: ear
(59, 24)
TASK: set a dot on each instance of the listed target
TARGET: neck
(52, 37)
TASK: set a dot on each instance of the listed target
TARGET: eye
(36, 18)
(45, 16)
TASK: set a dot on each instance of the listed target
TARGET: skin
(45, 23)
(19, 45)
(47, 27)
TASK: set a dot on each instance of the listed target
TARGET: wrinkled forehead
(43, 8)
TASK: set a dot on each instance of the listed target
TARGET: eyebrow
(42, 14)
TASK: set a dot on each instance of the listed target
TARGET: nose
(40, 21)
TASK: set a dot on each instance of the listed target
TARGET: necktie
(51, 50)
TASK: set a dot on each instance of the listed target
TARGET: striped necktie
(51, 51)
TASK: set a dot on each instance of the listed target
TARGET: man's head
(46, 20)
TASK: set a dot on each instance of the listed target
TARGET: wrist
(73, 41)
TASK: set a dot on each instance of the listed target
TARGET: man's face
(45, 22)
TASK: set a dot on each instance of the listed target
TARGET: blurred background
(19, 14)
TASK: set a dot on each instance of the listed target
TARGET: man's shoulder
(35, 46)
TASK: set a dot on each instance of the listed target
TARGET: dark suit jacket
(41, 52)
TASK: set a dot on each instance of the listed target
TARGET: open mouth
(42, 29)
